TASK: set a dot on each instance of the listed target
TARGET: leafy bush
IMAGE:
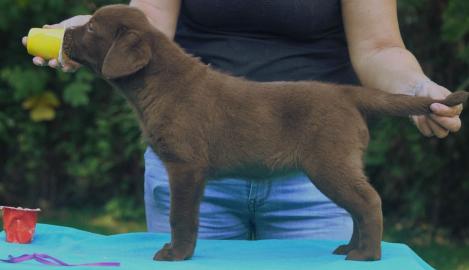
(65, 139)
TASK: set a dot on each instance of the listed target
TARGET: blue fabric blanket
(136, 250)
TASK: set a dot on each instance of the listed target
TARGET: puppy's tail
(374, 101)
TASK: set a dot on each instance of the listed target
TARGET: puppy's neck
(171, 71)
(168, 64)
(169, 59)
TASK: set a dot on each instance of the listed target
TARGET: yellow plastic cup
(46, 43)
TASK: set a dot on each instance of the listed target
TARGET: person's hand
(69, 65)
(444, 119)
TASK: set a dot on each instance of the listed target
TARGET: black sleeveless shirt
(268, 40)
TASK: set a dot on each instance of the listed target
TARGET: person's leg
(291, 207)
(156, 183)
(223, 211)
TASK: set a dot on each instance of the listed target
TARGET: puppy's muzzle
(68, 48)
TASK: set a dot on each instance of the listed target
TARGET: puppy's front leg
(187, 184)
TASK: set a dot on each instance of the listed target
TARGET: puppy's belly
(252, 172)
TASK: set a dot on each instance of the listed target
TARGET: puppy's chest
(160, 141)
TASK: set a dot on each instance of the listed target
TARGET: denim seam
(252, 198)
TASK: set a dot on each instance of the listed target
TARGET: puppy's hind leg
(187, 183)
(341, 178)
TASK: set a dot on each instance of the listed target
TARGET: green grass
(434, 246)
(97, 221)
(438, 250)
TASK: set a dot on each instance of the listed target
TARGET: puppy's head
(114, 43)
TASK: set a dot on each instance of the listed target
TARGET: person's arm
(163, 14)
(381, 61)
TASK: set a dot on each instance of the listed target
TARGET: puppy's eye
(90, 28)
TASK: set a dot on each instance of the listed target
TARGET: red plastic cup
(19, 224)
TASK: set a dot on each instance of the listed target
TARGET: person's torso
(268, 40)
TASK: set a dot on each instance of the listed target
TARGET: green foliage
(95, 219)
(76, 93)
(455, 29)
(456, 21)
(124, 210)
(24, 82)
(435, 247)
(86, 155)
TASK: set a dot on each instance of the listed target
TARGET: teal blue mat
(136, 250)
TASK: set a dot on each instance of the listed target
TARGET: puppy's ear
(127, 55)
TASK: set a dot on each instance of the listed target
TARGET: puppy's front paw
(343, 249)
(169, 253)
(364, 255)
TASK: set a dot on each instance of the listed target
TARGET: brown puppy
(204, 124)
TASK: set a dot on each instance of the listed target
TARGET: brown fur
(205, 124)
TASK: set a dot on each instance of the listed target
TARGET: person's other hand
(68, 66)
(444, 119)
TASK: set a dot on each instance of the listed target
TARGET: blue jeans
(283, 207)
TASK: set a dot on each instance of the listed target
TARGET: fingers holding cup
(46, 46)
(45, 43)
(38, 61)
